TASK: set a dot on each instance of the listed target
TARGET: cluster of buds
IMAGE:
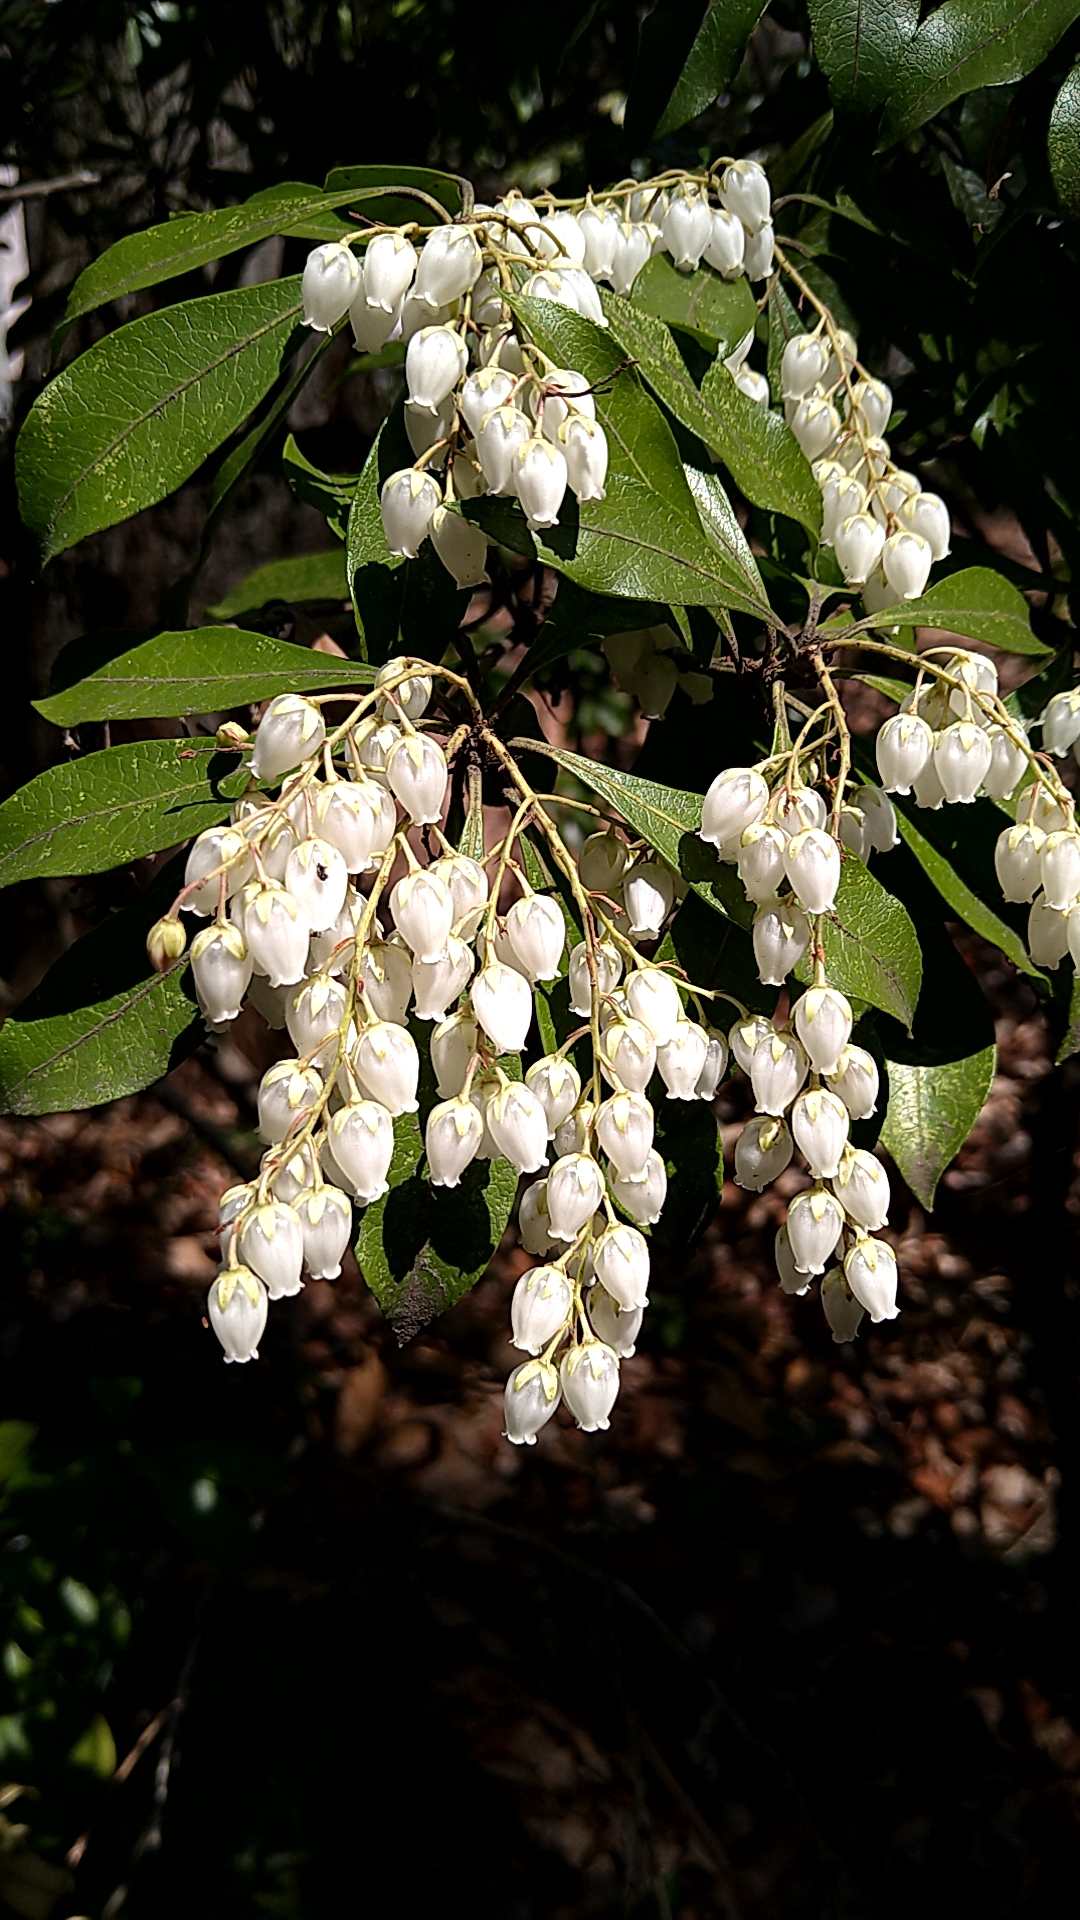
(809, 1081)
(885, 531)
(487, 412)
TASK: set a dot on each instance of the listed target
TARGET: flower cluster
(487, 411)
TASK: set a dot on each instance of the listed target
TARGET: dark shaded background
(798, 1637)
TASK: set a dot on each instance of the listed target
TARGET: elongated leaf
(872, 950)
(204, 671)
(977, 603)
(858, 44)
(960, 47)
(331, 494)
(413, 603)
(784, 324)
(713, 60)
(306, 577)
(718, 519)
(931, 837)
(1063, 142)
(1029, 701)
(580, 619)
(421, 1247)
(939, 1076)
(1070, 1041)
(141, 410)
(98, 1052)
(93, 814)
(712, 309)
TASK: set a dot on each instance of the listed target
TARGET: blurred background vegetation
(798, 1638)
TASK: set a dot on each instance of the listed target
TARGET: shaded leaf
(331, 494)
(171, 674)
(712, 60)
(872, 950)
(939, 1077)
(305, 578)
(701, 303)
(940, 848)
(977, 603)
(1063, 142)
(960, 47)
(858, 44)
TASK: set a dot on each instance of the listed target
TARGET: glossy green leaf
(99, 1052)
(205, 671)
(858, 44)
(1029, 701)
(701, 303)
(421, 1247)
(872, 950)
(1063, 142)
(137, 414)
(938, 1076)
(331, 494)
(961, 46)
(713, 60)
(92, 814)
(939, 846)
(977, 603)
(305, 578)
(718, 519)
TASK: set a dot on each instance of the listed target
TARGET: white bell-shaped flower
(791, 1279)
(536, 932)
(361, 1140)
(346, 812)
(574, 1190)
(389, 264)
(237, 1307)
(687, 228)
(1044, 811)
(648, 891)
(291, 730)
(271, 1243)
(317, 878)
(844, 498)
(599, 228)
(632, 247)
(681, 1060)
(374, 741)
(842, 1311)
(468, 884)
(423, 910)
(218, 847)
(388, 1065)
(386, 977)
(461, 546)
(820, 1126)
(561, 235)
(325, 1215)
(927, 514)
(276, 932)
(812, 865)
(1047, 935)
(653, 998)
(624, 1128)
(329, 280)
(1059, 868)
(854, 832)
(584, 447)
(802, 365)
(221, 966)
(276, 845)
(628, 1054)
(372, 326)
(518, 1125)
(534, 1223)
(874, 401)
(452, 1140)
(760, 252)
(747, 1035)
(760, 860)
(502, 434)
(715, 1067)
(781, 935)
(815, 1222)
(315, 1012)
(1017, 861)
(880, 816)
(795, 808)
(502, 1002)
(906, 561)
(452, 1046)
(411, 695)
(621, 1264)
(856, 1080)
(762, 1151)
(726, 244)
(618, 1327)
(435, 360)
(744, 191)
(407, 503)
(564, 395)
(927, 788)
(608, 964)
(540, 1307)
(1061, 722)
(296, 1175)
(870, 1271)
(437, 983)
(557, 1085)
(1008, 764)
(485, 388)
(862, 1188)
(449, 263)
(430, 433)
(602, 862)
(590, 1384)
(287, 1092)
(858, 543)
(961, 757)
(643, 1197)
(735, 800)
(417, 775)
(538, 476)
(823, 1021)
(777, 1072)
(532, 1395)
(815, 424)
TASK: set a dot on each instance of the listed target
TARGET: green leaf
(394, 209)
(92, 814)
(95, 1749)
(858, 44)
(15, 1437)
(100, 1051)
(205, 671)
(580, 619)
(1063, 142)
(421, 1247)
(409, 602)
(718, 519)
(305, 578)
(784, 324)
(712, 309)
(1071, 1041)
(941, 847)
(872, 950)
(331, 494)
(755, 444)
(714, 58)
(1029, 701)
(141, 410)
(938, 1077)
(977, 603)
(960, 47)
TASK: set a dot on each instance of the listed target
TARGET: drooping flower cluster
(487, 411)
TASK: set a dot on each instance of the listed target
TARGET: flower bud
(291, 730)
(329, 281)
(518, 1125)
(584, 448)
(590, 1384)
(575, 1189)
(687, 229)
(906, 561)
(682, 1059)
(453, 1044)
(237, 1308)
(760, 860)
(1059, 868)
(408, 502)
(716, 1059)
(777, 1072)
(726, 245)
(388, 1065)
(961, 757)
(534, 1225)
(735, 800)
(437, 983)
(436, 359)
(628, 1054)
(538, 475)
(643, 1197)
(165, 942)
(1047, 935)
(927, 514)
(1008, 763)
(317, 878)
(449, 263)
(536, 932)
(842, 1311)
(576, 1131)
(452, 1140)
(417, 775)
(624, 1128)
(608, 974)
(632, 247)
(781, 935)
(744, 191)
(503, 432)
(618, 1327)
(621, 1264)
(858, 543)
(862, 1188)
(815, 1222)
(855, 1079)
(746, 1036)
(502, 1003)
(793, 809)
(820, 1125)
(762, 1151)
(557, 1085)
(815, 424)
(648, 891)
(823, 1021)
(541, 1306)
(423, 910)
(602, 862)
(812, 865)
(276, 932)
(532, 1395)
(1061, 722)
(789, 1275)
(386, 976)
(286, 1093)
(272, 1245)
(216, 849)
(361, 1140)
(904, 747)
(870, 1271)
